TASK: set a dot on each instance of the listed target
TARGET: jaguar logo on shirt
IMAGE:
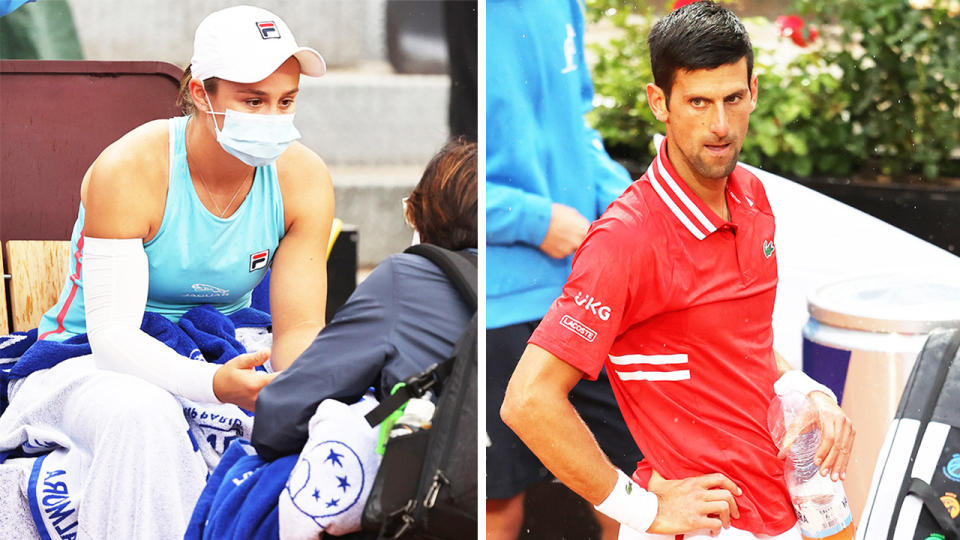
(592, 305)
(768, 248)
(202, 290)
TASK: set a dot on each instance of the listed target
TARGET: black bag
(916, 482)
(427, 483)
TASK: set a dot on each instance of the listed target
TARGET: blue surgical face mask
(255, 139)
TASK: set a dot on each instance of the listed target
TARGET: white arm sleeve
(115, 282)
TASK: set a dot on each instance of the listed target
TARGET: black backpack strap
(936, 508)
(460, 267)
(942, 369)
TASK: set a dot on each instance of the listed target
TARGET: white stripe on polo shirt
(655, 359)
(651, 174)
(683, 196)
(654, 376)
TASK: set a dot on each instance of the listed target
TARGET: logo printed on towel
(36, 446)
(259, 260)
(592, 305)
(327, 481)
(578, 328)
(11, 339)
(53, 508)
(268, 30)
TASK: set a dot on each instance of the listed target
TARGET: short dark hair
(701, 35)
(443, 206)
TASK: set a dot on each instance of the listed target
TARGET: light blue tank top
(196, 257)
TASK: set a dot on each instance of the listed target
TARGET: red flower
(680, 3)
(791, 26)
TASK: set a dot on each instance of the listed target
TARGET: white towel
(331, 481)
(117, 438)
(15, 519)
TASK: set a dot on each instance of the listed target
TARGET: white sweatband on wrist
(630, 504)
(798, 381)
(115, 284)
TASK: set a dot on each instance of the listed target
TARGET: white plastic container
(861, 340)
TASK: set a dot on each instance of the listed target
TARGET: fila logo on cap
(268, 30)
(259, 259)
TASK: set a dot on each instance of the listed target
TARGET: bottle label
(818, 520)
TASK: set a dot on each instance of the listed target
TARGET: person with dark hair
(402, 318)
(672, 290)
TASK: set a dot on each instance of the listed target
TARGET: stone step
(373, 117)
(369, 197)
(344, 31)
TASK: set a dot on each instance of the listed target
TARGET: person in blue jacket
(548, 177)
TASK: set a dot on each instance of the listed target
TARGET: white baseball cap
(245, 44)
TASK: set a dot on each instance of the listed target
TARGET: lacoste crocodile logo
(768, 248)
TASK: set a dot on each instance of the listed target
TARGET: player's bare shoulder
(301, 168)
(304, 181)
(136, 164)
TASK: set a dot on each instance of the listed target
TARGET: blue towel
(201, 332)
(240, 499)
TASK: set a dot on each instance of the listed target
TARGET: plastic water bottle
(820, 503)
(417, 415)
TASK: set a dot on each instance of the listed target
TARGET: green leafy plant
(880, 97)
(620, 75)
(798, 128)
(901, 70)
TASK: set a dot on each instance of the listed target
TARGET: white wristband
(796, 380)
(630, 504)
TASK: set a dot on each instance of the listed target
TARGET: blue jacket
(540, 150)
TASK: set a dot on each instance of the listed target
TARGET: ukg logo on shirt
(592, 305)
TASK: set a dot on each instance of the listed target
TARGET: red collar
(686, 206)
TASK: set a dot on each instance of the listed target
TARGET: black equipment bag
(916, 483)
(427, 483)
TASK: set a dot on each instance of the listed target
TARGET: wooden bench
(37, 271)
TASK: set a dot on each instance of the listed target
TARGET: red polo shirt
(678, 305)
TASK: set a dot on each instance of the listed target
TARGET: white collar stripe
(673, 208)
(680, 375)
(683, 196)
(656, 359)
